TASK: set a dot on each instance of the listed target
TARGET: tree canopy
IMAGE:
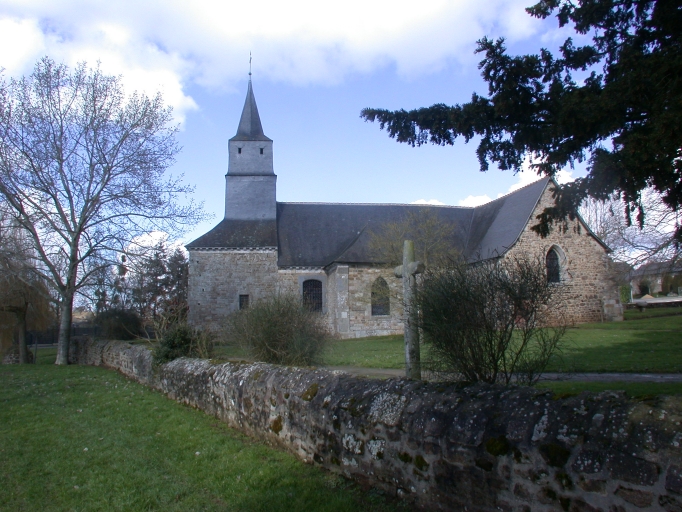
(616, 102)
(83, 173)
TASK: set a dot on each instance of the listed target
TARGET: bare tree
(432, 236)
(650, 238)
(82, 169)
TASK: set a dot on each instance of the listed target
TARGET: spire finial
(249, 66)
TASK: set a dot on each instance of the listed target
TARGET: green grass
(373, 352)
(644, 345)
(635, 314)
(85, 438)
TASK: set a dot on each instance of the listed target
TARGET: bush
(494, 321)
(280, 330)
(119, 324)
(181, 340)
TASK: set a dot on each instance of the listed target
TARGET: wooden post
(408, 270)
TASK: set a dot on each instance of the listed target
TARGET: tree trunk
(65, 318)
(21, 323)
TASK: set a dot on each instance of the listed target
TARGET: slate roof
(250, 127)
(318, 234)
(238, 234)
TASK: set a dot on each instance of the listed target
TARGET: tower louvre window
(261, 151)
(239, 151)
(312, 294)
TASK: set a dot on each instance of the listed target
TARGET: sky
(315, 65)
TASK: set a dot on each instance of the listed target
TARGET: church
(321, 251)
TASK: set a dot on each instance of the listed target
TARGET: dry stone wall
(592, 295)
(441, 447)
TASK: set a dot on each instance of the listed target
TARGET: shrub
(493, 321)
(279, 330)
(119, 324)
(181, 340)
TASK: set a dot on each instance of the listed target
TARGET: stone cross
(408, 270)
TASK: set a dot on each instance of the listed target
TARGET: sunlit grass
(85, 438)
(646, 345)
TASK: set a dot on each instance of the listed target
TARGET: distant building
(657, 277)
(320, 250)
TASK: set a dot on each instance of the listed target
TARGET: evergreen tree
(616, 102)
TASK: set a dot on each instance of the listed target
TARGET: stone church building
(321, 250)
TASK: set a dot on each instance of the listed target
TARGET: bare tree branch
(82, 167)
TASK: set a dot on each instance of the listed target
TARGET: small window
(381, 304)
(243, 301)
(239, 151)
(312, 294)
(553, 267)
(261, 151)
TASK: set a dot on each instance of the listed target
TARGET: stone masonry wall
(217, 278)
(362, 323)
(592, 295)
(440, 447)
(290, 281)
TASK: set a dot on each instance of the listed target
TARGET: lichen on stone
(387, 408)
(421, 463)
(405, 457)
(497, 446)
(310, 393)
(276, 425)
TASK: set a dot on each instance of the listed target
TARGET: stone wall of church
(218, 278)
(290, 281)
(362, 323)
(591, 293)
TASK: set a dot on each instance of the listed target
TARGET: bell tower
(250, 188)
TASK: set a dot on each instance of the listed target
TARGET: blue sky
(315, 66)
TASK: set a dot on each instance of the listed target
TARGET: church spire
(250, 127)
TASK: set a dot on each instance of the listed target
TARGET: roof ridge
(377, 204)
(515, 191)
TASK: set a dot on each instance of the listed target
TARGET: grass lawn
(644, 345)
(635, 314)
(86, 438)
(373, 352)
(641, 345)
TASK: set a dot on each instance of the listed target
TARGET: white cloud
(474, 200)
(525, 177)
(167, 45)
(528, 176)
(435, 202)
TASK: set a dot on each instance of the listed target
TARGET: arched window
(381, 305)
(553, 267)
(312, 294)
